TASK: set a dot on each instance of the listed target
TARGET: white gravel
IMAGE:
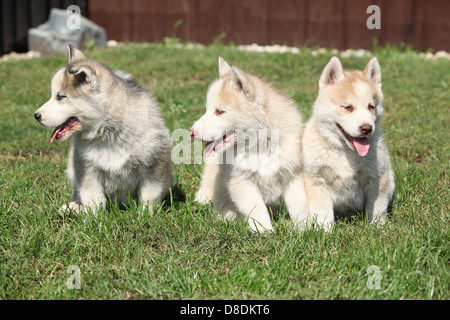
(344, 53)
(20, 56)
(13, 56)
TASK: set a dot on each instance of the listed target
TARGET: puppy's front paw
(201, 197)
(72, 207)
(263, 226)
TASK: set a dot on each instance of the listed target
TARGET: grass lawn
(182, 251)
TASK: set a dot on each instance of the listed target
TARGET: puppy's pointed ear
(75, 54)
(373, 72)
(242, 82)
(84, 74)
(224, 68)
(332, 73)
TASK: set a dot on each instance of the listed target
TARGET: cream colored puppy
(347, 163)
(253, 149)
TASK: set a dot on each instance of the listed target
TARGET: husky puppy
(346, 160)
(253, 149)
(120, 145)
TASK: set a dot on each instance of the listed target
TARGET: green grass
(182, 251)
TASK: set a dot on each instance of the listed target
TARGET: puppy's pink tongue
(55, 133)
(209, 148)
(361, 145)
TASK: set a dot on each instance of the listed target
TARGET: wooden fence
(423, 24)
(341, 24)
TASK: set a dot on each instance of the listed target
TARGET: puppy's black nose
(37, 116)
(365, 129)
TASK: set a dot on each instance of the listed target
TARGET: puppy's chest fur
(346, 178)
(270, 183)
(113, 165)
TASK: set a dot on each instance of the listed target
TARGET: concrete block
(62, 28)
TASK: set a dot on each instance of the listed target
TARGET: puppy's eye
(59, 97)
(371, 106)
(348, 108)
(219, 112)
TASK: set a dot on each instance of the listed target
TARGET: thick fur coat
(120, 145)
(347, 163)
(253, 149)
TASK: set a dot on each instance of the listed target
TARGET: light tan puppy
(347, 163)
(253, 149)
